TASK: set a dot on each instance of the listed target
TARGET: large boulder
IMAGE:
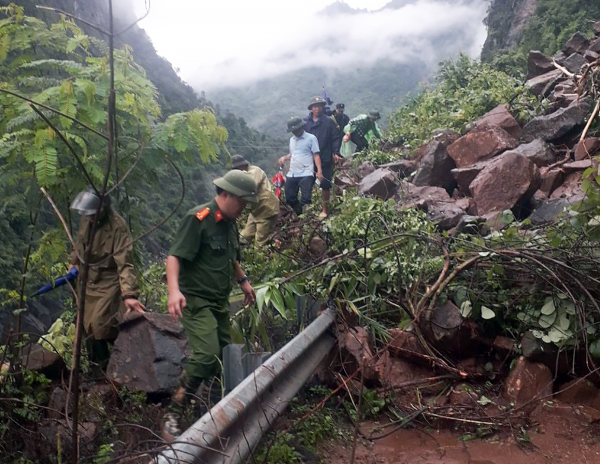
(528, 383)
(434, 168)
(501, 117)
(464, 176)
(595, 45)
(544, 83)
(480, 144)
(411, 196)
(597, 28)
(537, 151)
(586, 148)
(574, 62)
(557, 124)
(551, 179)
(446, 214)
(445, 136)
(381, 183)
(451, 331)
(578, 43)
(365, 169)
(549, 211)
(402, 167)
(570, 188)
(148, 354)
(538, 64)
(504, 182)
(37, 358)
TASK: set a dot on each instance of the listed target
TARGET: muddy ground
(558, 437)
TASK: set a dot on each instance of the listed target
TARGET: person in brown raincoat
(112, 288)
(263, 217)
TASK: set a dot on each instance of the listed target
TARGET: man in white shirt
(303, 156)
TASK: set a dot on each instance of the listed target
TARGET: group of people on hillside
(204, 259)
(315, 148)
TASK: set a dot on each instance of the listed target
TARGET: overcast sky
(235, 42)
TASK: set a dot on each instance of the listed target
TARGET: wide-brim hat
(374, 114)
(316, 101)
(238, 183)
(294, 124)
(238, 161)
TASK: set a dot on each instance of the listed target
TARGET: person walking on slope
(112, 288)
(303, 156)
(203, 261)
(358, 129)
(341, 119)
(325, 130)
(262, 219)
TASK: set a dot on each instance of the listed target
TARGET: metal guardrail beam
(232, 429)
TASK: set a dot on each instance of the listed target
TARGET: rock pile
(534, 169)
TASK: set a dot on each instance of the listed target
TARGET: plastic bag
(348, 149)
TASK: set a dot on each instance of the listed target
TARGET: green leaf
(548, 307)
(277, 300)
(260, 297)
(546, 320)
(487, 313)
(595, 348)
(466, 308)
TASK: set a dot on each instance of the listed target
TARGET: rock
(405, 344)
(580, 413)
(451, 331)
(570, 189)
(538, 64)
(356, 343)
(505, 181)
(445, 136)
(591, 56)
(365, 169)
(463, 395)
(544, 83)
(595, 45)
(527, 383)
(465, 203)
(597, 28)
(576, 44)
(434, 168)
(464, 176)
(411, 196)
(446, 214)
(344, 181)
(557, 124)
(578, 391)
(537, 151)
(156, 367)
(549, 211)
(480, 145)
(587, 148)
(574, 62)
(58, 403)
(501, 117)
(402, 167)
(503, 345)
(551, 179)
(394, 372)
(576, 166)
(37, 358)
(469, 224)
(380, 183)
(317, 247)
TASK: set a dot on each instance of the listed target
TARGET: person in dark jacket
(340, 118)
(325, 130)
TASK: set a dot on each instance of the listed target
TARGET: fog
(236, 43)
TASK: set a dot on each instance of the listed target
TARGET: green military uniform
(109, 282)
(262, 219)
(207, 247)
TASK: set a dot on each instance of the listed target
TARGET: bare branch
(137, 20)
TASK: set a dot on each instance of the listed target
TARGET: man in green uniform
(203, 262)
(263, 218)
(362, 128)
(112, 287)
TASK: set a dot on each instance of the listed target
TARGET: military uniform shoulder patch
(201, 215)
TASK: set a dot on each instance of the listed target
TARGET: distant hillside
(517, 26)
(405, 57)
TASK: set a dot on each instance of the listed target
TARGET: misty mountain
(367, 60)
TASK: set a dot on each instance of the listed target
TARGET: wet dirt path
(556, 440)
